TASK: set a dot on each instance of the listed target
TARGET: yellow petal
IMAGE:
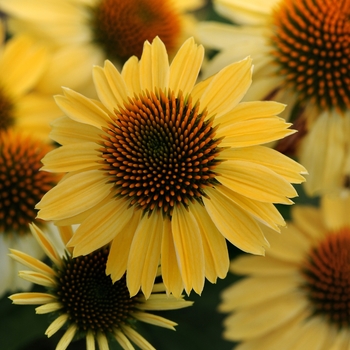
(268, 157)
(47, 308)
(37, 278)
(101, 227)
(102, 341)
(185, 67)
(123, 340)
(235, 224)
(31, 262)
(73, 157)
(120, 247)
(110, 86)
(56, 325)
(66, 131)
(90, 341)
(131, 76)
(170, 270)
(32, 298)
(67, 338)
(255, 181)
(154, 66)
(74, 195)
(82, 109)
(254, 132)
(154, 320)
(137, 338)
(189, 249)
(214, 244)
(45, 244)
(144, 254)
(227, 88)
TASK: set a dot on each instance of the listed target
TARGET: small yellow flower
(85, 301)
(166, 169)
(303, 282)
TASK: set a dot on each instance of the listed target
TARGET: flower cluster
(143, 146)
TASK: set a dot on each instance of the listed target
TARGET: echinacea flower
(301, 51)
(303, 299)
(166, 169)
(21, 186)
(22, 64)
(84, 300)
(100, 29)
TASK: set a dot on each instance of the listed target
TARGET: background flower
(85, 301)
(303, 285)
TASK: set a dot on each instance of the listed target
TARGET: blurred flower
(85, 301)
(100, 29)
(301, 53)
(21, 186)
(167, 169)
(22, 63)
(303, 299)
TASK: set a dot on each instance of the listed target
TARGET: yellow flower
(166, 169)
(301, 51)
(84, 300)
(303, 285)
(21, 186)
(22, 64)
(113, 29)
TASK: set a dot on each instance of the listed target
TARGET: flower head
(303, 284)
(21, 186)
(302, 53)
(84, 299)
(166, 169)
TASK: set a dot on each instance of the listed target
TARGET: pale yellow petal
(82, 109)
(250, 111)
(31, 262)
(255, 181)
(110, 86)
(47, 308)
(243, 293)
(66, 131)
(123, 340)
(214, 244)
(66, 233)
(199, 89)
(131, 76)
(137, 338)
(102, 341)
(185, 67)
(120, 247)
(270, 158)
(262, 266)
(170, 269)
(235, 224)
(160, 302)
(73, 157)
(37, 278)
(144, 256)
(227, 88)
(267, 316)
(154, 320)
(23, 62)
(46, 244)
(56, 325)
(32, 298)
(265, 213)
(90, 341)
(154, 66)
(254, 132)
(101, 227)
(67, 337)
(189, 249)
(74, 195)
